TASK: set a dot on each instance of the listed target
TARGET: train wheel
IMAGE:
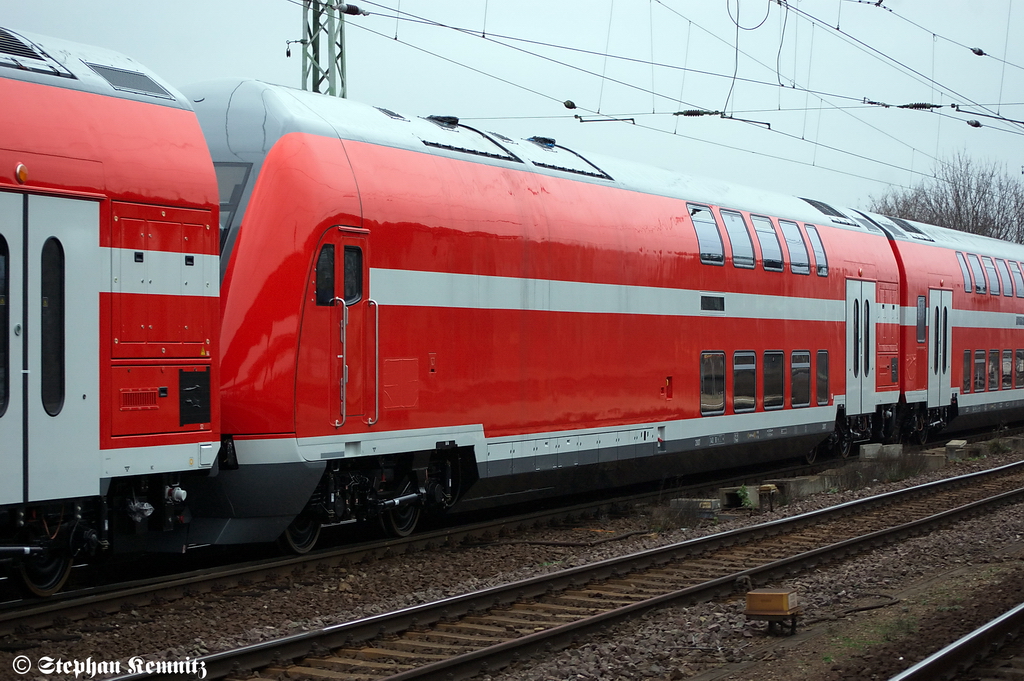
(301, 535)
(44, 574)
(401, 521)
(811, 455)
(845, 444)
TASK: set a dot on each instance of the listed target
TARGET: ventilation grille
(138, 399)
(914, 231)
(11, 45)
(130, 81)
(828, 210)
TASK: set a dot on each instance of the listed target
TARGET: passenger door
(861, 315)
(940, 304)
(330, 387)
(52, 271)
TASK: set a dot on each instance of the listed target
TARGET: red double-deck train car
(108, 305)
(417, 312)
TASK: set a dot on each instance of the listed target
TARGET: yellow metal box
(771, 602)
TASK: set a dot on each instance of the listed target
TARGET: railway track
(461, 636)
(32, 614)
(993, 651)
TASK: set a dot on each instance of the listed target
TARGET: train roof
(61, 63)
(243, 119)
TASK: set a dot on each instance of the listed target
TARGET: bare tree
(963, 194)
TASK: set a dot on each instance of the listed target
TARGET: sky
(795, 90)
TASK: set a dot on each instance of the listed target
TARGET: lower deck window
(712, 383)
(774, 380)
(5, 355)
(993, 370)
(967, 371)
(979, 371)
(800, 378)
(823, 395)
(1018, 378)
(1007, 369)
(744, 381)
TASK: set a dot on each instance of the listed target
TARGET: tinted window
(799, 262)
(822, 390)
(709, 239)
(325, 276)
(967, 371)
(800, 386)
(1018, 282)
(1018, 377)
(922, 319)
(744, 381)
(774, 380)
(820, 259)
(771, 251)
(979, 277)
(990, 270)
(1007, 369)
(5, 321)
(712, 382)
(231, 178)
(51, 326)
(353, 274)
(739, 239)
(1004, 277)
(979, 371)
(993, 370)
(964, 271)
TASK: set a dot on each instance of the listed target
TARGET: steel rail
(283, 650)
(960, 655)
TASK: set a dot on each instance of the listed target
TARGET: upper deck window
(993, 280)
(709, 238)
(1018, 281)
(979, 274)
(739, 239)
(231, 179)
(820, 259)
(799, 262)
(964, 271)
(771, 251)
(1004, 276)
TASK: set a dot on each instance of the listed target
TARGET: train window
(325, 275)
(867, 338)
(774, 380)
(712, 383)
(993, 280)
(820, 259)
(856, 338)
(231, 179)
(922, 319)
(800, 379)
(51, 326)
(744, 381)
(1018, 281)
(979, 371)
(822, 387)
(967, 371)
(771, 251)
(993, 370)
(709, 238)
(739, 239)
(964, 271)
(979, 275)
(1004, 276)
(1018, 377)
(353, 274)
(1007, 369)
(799, 262)
(5, 320)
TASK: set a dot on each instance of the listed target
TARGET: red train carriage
(418, 313)
(108, 305)
(963, 333)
